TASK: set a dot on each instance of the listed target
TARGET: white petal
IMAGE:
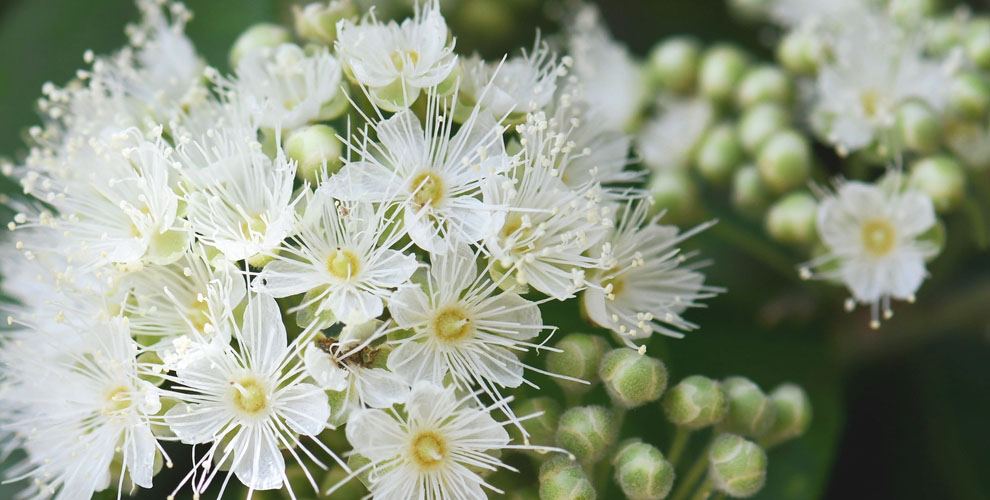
(140, 454)
(414, 360)
(263, 338)
(196, 424)
(282, 278)
(373, 434)
(258, 461)
(305, 408)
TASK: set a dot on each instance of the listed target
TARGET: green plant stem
(681, 436)
(756, 247)
(703, 491)
(602, 468)
(695, 473)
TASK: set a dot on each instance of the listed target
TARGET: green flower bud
(792, 219)
(673, 63)
(799, 52)
(912, 10)
(918, 127)
(562, 479)
(969, 96)
(785, 161)
(580, 356)
(718, 154)
(751, 412)
(673, 191)
(942, 178)
(751, 9)
(317, 150)
(935, 237)
(978, 43)
(587, 432)
(968, 142)
(721, 68)
(632, 379)
(696, 402)
(256, 37)
(793, 413)
(943, 34)
(541, 429)
(765, 83)
(736, 466)
(642, 471)
(758, 123)
(749, 195)
(317, 22)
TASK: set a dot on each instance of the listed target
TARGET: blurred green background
(899, 413)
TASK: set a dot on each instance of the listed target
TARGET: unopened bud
(751, 412)
(759, 123)
(718, 154)
(673, 63)
(675, 193)
(800, 52)
(632, 379)
(317, 150)
(942, 178)
(736, 466)
(721, 68)
(911, 11)
(785, 161)
(749, 195)
(562, 479)
(317, 22)
(792, 219)
(793, 410)
(978, 43)
(542, 427)
(587, 432)
(579, 358)
(969, 96)
(696, 402)
(918, 127)
(763, 84)
(642, 471)
(257, 37)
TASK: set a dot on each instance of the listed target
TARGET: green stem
(703, 491)
(695, 473)
(680, 440)
(756, 247)
(604, 467)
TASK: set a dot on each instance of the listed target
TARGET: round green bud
(751, 413)
(642, 471)
(736, 466)
(316, 149)
(792, 219)
(978, 43)
(632, 379)
(542, 428)
(749, 195)
(256, 37)
(942, 178)
(317, 22)
(674, 192)
(969, 96)
(968, 142)
(799, 52)
(765, 83)
(562, 479)
(587, 432)
(943, 34)
(579, 358)
(721, 68)
(784, 161)
(793, 413)
(935, 237)
(673, 63)
(918, 127)
(758, 123)
(751, 9)
(719, 153)
(696, 402)
(912, 10)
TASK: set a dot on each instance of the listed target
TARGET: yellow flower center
(427, 189)
(878, 237)
(428, 449)
(255, 224)
(870, 100)
(249, 395)
(452, 324)
(616, 281)
(343, 264)
(199, 315)
(118, 399)
(401, 57)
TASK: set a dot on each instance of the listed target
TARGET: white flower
(342, 254)
(549, 227)
(283, 87)
(436, 178)
(353, 363)
(239, 200)
(248, 402)
(668, 140)
(78, 403)
(430, 451)
(873, 234)
(646, 284)
(512, 87)
(874, 66)
(464, 325)
(396, 62)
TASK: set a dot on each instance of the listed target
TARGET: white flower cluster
(164, 216)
